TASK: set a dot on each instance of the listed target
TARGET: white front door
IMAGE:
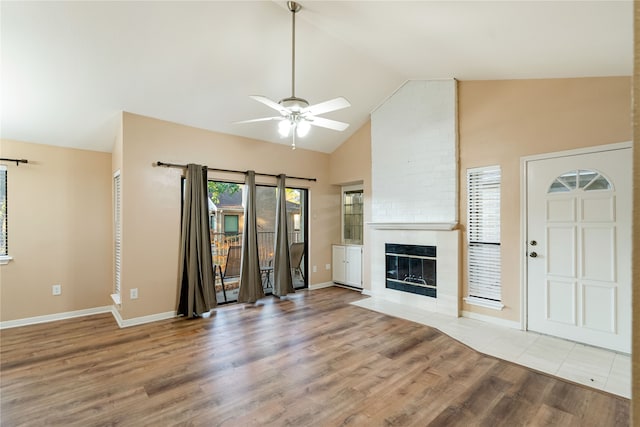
(579, 247)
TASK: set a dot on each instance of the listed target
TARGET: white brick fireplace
(415, 186)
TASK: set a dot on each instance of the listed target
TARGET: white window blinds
(117, 229)
(4, 247)
(483, 231)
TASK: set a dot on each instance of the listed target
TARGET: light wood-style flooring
(310, 360)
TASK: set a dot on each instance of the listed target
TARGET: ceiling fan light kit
(296, 115)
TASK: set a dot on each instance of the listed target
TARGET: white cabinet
(347, 265)
(353, 264)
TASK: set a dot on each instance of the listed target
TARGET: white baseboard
(490, 319)
(351, 288)
(125, 323)
(367, 292)
(321, 285)
(53, 317)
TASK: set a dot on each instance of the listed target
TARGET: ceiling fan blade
(328, 123)
(327, 106)
(269, 103)
(262, 119)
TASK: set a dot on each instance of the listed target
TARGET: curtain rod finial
(17, 161)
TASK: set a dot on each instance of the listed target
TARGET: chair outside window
(296, 252)
(231, 270)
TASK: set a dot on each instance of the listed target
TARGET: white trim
(353, 187)
(321, 285)
(437, 226)
(494, 305)
(53, 317)
(524, 162)
(579, 151)
(4, 259)
(116, 299)
(122, 323)
(524, 271)
(367, 292)
(490, 319)
(349, 287)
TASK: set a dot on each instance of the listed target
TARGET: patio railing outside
(220, 243)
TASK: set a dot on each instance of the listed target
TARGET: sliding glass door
(226, 219)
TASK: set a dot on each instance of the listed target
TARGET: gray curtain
(282, 280)
(197, 293)
(250, 275)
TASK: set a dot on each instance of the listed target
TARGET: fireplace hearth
(411, 268)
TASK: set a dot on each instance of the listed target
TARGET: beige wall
(350, 163)
(501, 121)
(151, 201)
(59, 215)
(61, 231)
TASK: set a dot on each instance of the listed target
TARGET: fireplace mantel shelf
(438, 226)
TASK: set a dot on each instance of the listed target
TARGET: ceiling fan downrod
(294, 8)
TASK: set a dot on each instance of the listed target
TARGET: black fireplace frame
(411, 268)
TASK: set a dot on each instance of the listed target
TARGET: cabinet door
(354, 266)
(339, 264)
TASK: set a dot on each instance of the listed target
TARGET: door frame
(524, 185)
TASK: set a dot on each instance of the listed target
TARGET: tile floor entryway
(595, 367)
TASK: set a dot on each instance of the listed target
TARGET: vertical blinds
(483, 215)
(117, 197)
(3, 212)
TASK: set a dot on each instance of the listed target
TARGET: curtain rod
(18, 161)
(173, 165)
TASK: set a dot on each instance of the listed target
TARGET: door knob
(533, 255)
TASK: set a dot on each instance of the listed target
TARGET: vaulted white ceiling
(69, 68)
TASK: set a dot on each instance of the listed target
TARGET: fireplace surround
(444, 241)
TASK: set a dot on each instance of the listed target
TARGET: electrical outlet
(327, 266)
(315, 268)
(133, 293)
(56, 289)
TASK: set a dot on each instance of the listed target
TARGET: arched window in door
(582, 179)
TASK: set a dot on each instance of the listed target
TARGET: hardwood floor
(312, 360)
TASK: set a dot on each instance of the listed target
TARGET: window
(4, 241)
(586, 180)
(227, 200)
(352, 214)
(483, 236)
(117, 236)
(231, 224)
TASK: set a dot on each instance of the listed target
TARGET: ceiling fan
(296, 115)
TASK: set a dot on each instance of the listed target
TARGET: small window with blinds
(483, 236)
(117, 236)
